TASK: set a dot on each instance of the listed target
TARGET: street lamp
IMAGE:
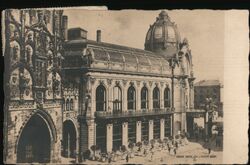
(173, 62)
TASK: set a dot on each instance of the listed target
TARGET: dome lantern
(163, 37)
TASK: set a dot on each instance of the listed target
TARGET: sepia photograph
(98, 86)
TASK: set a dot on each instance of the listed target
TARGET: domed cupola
(163, 37)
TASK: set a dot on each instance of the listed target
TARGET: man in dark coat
(127, 158)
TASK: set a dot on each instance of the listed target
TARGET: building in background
(208, 89)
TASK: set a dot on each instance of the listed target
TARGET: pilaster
(151, 130)
(125, 133)
(162, 129)
(109, 137)
(138, 131)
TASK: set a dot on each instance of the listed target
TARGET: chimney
(65, 27)
(98, 36)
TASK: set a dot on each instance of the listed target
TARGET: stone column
(124, 89)
(83, 138)
(77, 144)
(151, 130)
(91, 132)
(125, 134)
(191, 94)
(161, 97)
(150, 97)
(171, 124)
(109, 95)
(162, 129)
(109, 141)
(138, 96)
(183, 122)
(138, 131)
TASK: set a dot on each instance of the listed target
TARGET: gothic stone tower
(33, 85)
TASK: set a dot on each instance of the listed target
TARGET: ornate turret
(163, 37)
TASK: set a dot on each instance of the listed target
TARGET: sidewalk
(191, 153)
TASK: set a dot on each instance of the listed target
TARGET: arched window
(156, 98)
(144, 98)
(67, 105)
(71, 105)
(117, 99)
(100, 98)
(166, 98)
(131, 98)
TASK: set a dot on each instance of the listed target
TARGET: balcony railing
(133, 113)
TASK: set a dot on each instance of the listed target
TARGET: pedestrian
(127, 158)
(109, 158)
(144, 153)
(196, 135)
(174, 151)
(176, 145)
(209, 147)
(217, 142)
(83, 156)
(169, 149)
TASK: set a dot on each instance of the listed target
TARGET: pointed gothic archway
(69, 139)
(34, 144)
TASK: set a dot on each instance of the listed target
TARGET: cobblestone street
(190, 153)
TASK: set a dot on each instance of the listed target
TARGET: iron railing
(133, 113)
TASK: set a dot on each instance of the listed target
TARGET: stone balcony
(133, 113)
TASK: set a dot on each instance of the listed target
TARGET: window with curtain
(156, 98)
(100, 98)
(144, 98)
(167, 102)
(131, 98)
(117, 99)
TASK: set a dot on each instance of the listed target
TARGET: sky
(204, 30)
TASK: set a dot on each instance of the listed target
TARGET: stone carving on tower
(33, 55)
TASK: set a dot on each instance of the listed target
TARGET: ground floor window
(144, 130)
(157, 128)
(167, 126)
(101, 136)
(132, 131)
(117, 136)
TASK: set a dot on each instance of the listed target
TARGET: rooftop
(208, 83)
